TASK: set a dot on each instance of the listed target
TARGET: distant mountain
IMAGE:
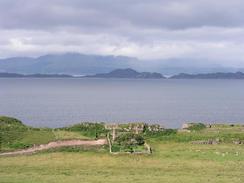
(131, 74)
(82, 64)
(70, 63)
(128, 73)
(14, 75)
(11, 75)
(219, 75)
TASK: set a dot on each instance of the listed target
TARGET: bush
(9, 121)
(129, 140)
(10, 130)
(19, 145)
(196, 126)
(165, 132)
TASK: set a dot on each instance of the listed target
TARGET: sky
(210, 31)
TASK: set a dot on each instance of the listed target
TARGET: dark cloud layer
(107, 14)
(148, 29)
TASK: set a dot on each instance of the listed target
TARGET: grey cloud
(147, 29)
(109, 14)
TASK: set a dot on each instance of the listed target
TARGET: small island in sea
(15, 75)
(218, 75)
(130, 74)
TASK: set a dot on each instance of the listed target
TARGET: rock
(209, 126)
(184, 130)
(210, 141)
(186, 126)
(237, 142)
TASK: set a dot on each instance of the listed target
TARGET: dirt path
(57, 144)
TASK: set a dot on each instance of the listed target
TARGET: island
(16, 75)
(218, 75)
(128, 73)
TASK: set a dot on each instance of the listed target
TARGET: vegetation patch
(196, 126)
(67, 135)
(129, 137)
(92, 130)
(128, 142)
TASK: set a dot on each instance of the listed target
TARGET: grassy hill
(15, 135)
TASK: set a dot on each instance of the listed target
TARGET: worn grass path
(56, 144)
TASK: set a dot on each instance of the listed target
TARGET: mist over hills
(82, 64)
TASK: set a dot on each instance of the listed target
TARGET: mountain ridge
(218, 75)
(128, 73)
(85, 64)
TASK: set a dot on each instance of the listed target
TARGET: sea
(44, 102)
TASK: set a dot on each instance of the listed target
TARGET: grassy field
(174, 158)
(170, 162)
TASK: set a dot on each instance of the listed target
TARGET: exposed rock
(184, 130)
(208, 126)
(186, 125)
(238, 142)
(210, 141)
(135, 127)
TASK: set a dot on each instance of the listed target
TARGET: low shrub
(4, 120)
(19, 145)
(196, 126)
(129, 141)
(165, 132)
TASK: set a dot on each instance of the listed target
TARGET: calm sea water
(61, 102)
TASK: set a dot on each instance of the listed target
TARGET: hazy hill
(70, 63)
(82, 64)
(15, 75)
(128, 73)
(237, 75)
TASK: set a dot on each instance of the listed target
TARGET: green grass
(23, 139)
(174, 158)
(171, 162)
(225, 133)
(15, 135)
(65, 135)
(92, 130)
(38, 137)
(15, 139)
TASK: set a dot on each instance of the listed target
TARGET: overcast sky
(206, 30)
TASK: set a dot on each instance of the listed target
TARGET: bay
(65, 101)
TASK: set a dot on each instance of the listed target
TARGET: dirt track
(57, 144)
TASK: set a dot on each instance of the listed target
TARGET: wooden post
(113, 134)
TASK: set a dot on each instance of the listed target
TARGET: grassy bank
(15, 135)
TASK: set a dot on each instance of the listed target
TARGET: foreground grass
(174, 158)
(171, 162)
